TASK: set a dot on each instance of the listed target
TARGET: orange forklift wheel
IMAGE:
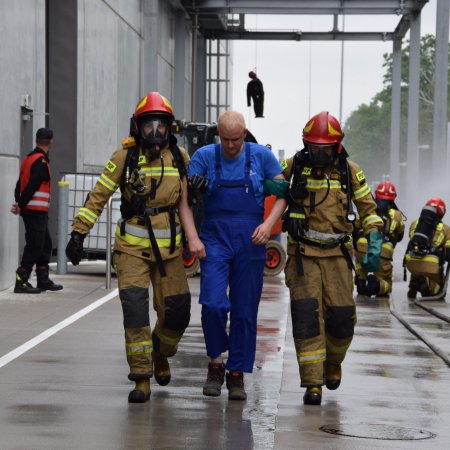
(191, 262)
(275, 258)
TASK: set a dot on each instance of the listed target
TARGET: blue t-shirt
(263, 165)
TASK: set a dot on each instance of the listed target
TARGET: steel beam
(298, 35)
(316, 7)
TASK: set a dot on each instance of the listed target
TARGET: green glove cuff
(279, 188)
(371, 260)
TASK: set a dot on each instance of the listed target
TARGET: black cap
(44, 134)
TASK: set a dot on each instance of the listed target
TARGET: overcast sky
(303, 78)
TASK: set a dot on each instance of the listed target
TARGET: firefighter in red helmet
(428, 250)
(380, 283)
(324, 185)
(150, 171)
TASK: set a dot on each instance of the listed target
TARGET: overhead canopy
(225, 19)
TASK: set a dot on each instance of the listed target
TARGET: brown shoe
(235, 385)
(333, 375)
(161, 369)
(214, 380)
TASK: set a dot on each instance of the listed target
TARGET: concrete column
(180, 98)
(395, 113)
(413, 112)
(440, 119)
(201, 79)
(149, 49)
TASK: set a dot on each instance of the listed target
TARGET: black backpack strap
(177, 157)
(346, 181)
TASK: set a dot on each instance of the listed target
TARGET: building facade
(79, 67)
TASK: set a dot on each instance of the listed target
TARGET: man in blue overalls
(231, 174)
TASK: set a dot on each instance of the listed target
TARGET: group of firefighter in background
(317, 192)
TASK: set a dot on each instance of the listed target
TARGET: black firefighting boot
(413, 288)
(214, 379)
(373, 285)
(313, 395)
(161, 369)
(333, 375)
(43, 281)
(22, 285)
(360, 285)
(141, 393)
(424, 289)
(235, 385)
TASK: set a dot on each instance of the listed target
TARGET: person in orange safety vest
(32, 202)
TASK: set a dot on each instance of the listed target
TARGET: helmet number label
(110, 166)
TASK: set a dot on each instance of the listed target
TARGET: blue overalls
(231, 215)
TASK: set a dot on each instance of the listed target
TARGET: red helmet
(323, 128)
(154, 103)
(439, 204)
(322, 137)
(386, 191)
(153, 120)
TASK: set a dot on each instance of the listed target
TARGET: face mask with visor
(321, 155)
(154, 133)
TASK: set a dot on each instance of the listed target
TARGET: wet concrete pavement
(63, 385)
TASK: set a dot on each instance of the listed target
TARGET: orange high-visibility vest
(41, 198)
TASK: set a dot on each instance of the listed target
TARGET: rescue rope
(423, 337)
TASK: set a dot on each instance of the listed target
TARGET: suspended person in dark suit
(255, 92)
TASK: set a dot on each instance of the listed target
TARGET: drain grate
(377, 431)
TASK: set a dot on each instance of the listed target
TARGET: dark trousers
(258, 105)
(38, 243)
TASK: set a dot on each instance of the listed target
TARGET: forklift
(192, 136)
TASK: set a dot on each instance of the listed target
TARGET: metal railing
(73, 190)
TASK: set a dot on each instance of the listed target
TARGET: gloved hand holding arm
(74, 249)
(371, 260)
(294, 221)
(276, 187)
(198, 183)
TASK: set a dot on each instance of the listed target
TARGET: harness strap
(327, 245)
(347, 256)
(154, 245)
(298, 262)
(122, 227)
(173, 231)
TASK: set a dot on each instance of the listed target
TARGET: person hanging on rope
(255, 92)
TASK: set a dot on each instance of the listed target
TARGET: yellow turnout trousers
(171, 301)
(323, 313)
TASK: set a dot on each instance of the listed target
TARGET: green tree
(368, 127)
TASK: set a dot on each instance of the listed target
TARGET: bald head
(232, 132)
(230, 120)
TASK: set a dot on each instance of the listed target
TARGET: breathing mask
(154, 133)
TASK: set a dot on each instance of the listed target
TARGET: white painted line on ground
(13, 354)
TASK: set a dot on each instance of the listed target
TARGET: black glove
(294, 222)
(74, 249)
(198, 183)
